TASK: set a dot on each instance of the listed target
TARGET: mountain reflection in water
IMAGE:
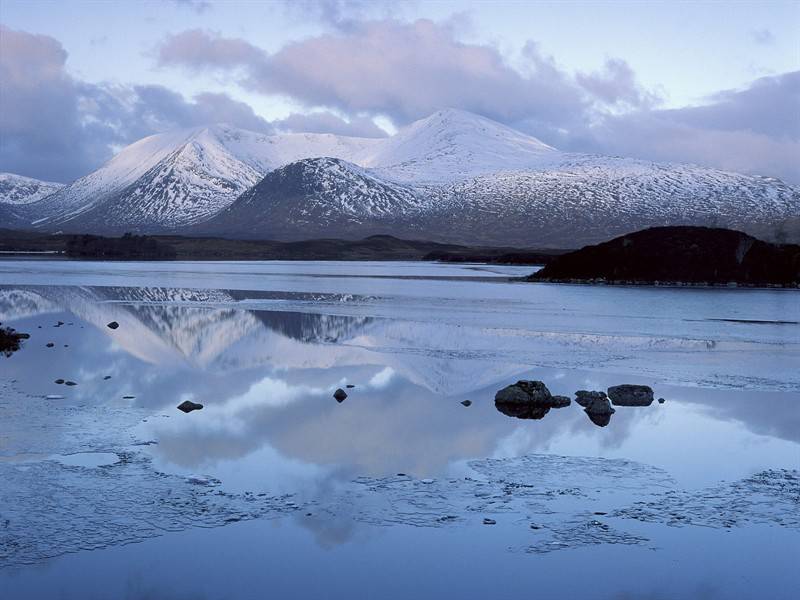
(265, 364)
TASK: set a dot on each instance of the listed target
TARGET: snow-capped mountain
(452, 176)
(174, 179)
(312, 198)
(17, 195)
(19, 190)
(452, 145)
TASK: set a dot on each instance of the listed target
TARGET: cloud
(41, 128)
(616, 85)
(752, 130)
(762, 37)
(198, 49)
(406, 71)
(327, 122)
(198, 6)
(56, 127)
(401, 70)
(343, 14)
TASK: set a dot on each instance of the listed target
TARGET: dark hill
(694, 255)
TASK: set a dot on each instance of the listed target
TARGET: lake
(275, 489)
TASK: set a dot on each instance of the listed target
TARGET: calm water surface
(274, 489)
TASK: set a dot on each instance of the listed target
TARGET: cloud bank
(55, 126)
(405, 71)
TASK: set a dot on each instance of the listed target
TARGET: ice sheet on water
(48, 508)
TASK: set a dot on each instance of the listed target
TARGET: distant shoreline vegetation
(173, 247)
(129, 246)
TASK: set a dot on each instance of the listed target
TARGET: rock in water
(560, 401)
(631, 395)
(661, 400)
(350, 386)
(113, 325)
(585, 398)
(527, 400)
(599, 412)
(488, 521)
(524, 392)
(188, 406)
(340, 395)
(466, 402)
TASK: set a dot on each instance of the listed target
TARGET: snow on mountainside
(453, 144)
(178, 178)
(452, 176)
(310, 198)
(18, 190)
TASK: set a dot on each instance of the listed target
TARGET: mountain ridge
(453, 176)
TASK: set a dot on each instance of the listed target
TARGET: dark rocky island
(679, 255)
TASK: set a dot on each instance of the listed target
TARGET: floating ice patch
(88, 460)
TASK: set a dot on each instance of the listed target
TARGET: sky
(712, 83)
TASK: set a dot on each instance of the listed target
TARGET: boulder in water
(631, 395)
(599, 412)
(585, 397)
(527, 400)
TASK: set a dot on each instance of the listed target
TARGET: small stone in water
(340, 395)
(188, 406)
(113, 325)
(466, 402)
(489, 522)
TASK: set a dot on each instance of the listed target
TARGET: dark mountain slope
(679, 254)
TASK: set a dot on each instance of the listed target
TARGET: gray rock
(585, 397)
(599, 411)
(524, 400)
(524, 392)
(466, 402)
(113, 325)
(340, 395)
(560, 401)
(631, 395)
(527, 400)
(188, 406)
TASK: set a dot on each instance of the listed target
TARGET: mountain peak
(456, 119)
(18, 189)
(456, 144)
